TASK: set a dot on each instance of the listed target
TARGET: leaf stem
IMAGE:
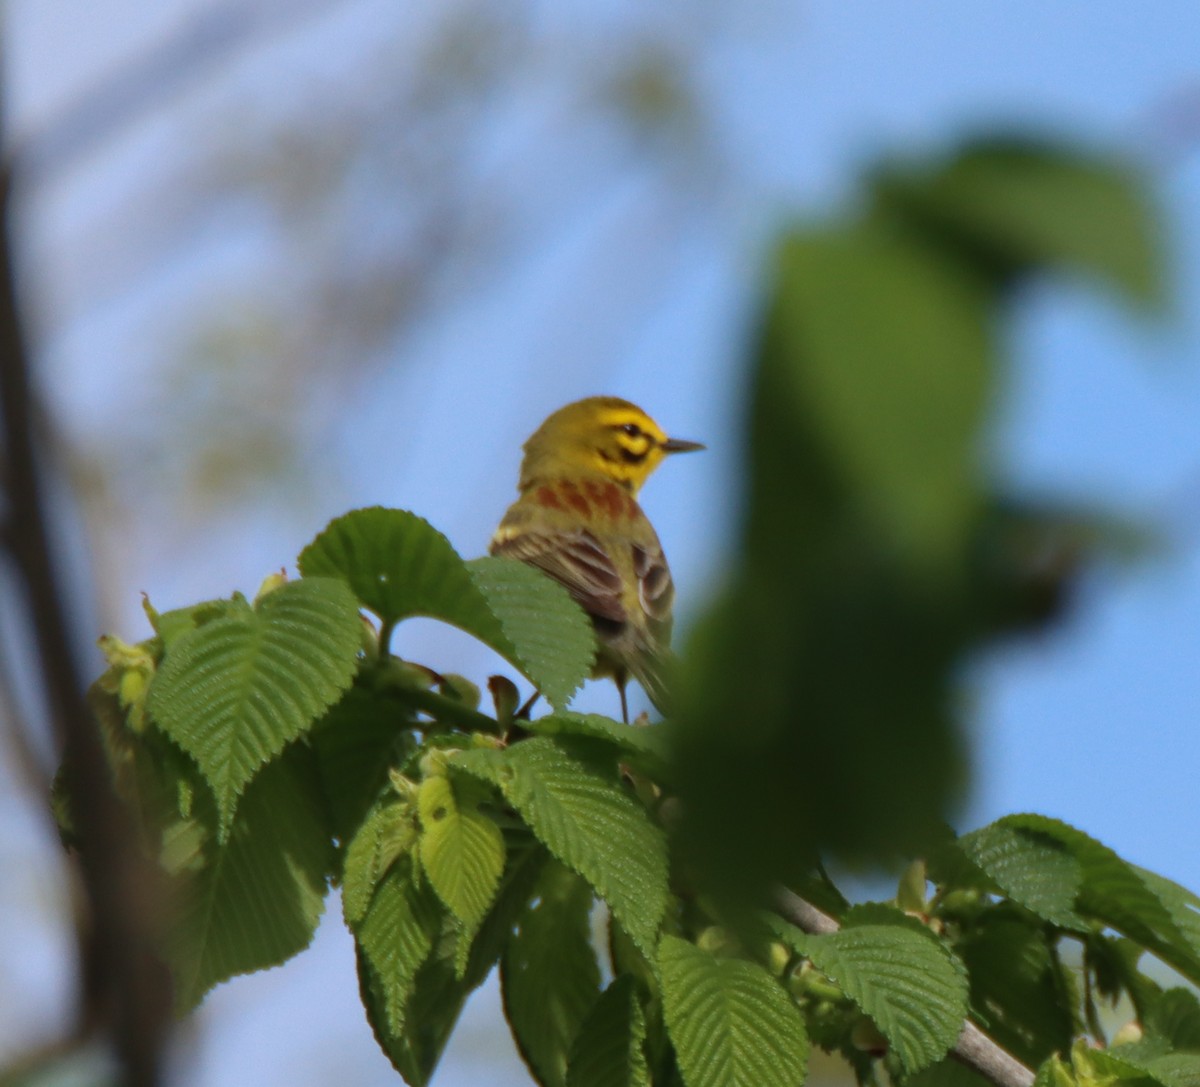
(446, 709)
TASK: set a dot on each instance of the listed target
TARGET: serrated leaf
(461, 850)
(1184, 909)
(607, 1051)
(440, 991)
(434, 1004)
(1150, 910)
(396, 935)
(647, 747)
(901, 975)
(396, 563)
(552, 639)
(729, 1020)
(399, 566)
(387, 833)
(235, 691)
(579, 811)
(255, 900)
(1033, 868)
(549, 975)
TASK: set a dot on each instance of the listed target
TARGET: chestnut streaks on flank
(607, 496)
(546, 497)
(574, 499)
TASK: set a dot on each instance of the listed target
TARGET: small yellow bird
(578, 519)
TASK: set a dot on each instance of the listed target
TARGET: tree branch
(973, 1048)
(120, 981)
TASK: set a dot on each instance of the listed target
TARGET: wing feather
(578, 561)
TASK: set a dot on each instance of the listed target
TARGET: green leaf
(235, 691)
(1150, 910)
(729, 1021)
(1184, 909)
(433, 1007)
(1033, 207)
(439, 991)
(549, 975)
(396, 936)
(399, 566)
(1175, 1018)
(1020, 994)
(551, 637)
(947, 1073)
(461, 850)
(578, 809)
(387, 833)
(396, 563)
(891, 359)
(608, 1048)
(253, 901)
(1099, 1066)
(1174, 1069)
(901, 975)
(356, 742)
(1033, 868)
(645, 747)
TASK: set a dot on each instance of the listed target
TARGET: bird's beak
(679, 445)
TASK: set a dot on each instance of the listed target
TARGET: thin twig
(973, 1048)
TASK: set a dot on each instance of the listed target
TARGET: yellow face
(603, 436)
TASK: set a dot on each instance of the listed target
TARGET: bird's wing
(656, 590)
(578, 561)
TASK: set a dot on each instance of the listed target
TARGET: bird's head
(602, 436)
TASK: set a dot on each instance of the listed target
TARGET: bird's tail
(656, 671)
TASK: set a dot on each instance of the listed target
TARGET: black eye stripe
(631, 456)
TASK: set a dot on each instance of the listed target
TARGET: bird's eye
(632, 429)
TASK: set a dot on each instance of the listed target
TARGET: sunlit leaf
(579, 810)
(730, 1021)
(235, 691)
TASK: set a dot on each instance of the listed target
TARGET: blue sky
(627, 271)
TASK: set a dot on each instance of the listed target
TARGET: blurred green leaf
(1027, 207)
(888, 352)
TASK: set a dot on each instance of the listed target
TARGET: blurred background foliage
(286, 257)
